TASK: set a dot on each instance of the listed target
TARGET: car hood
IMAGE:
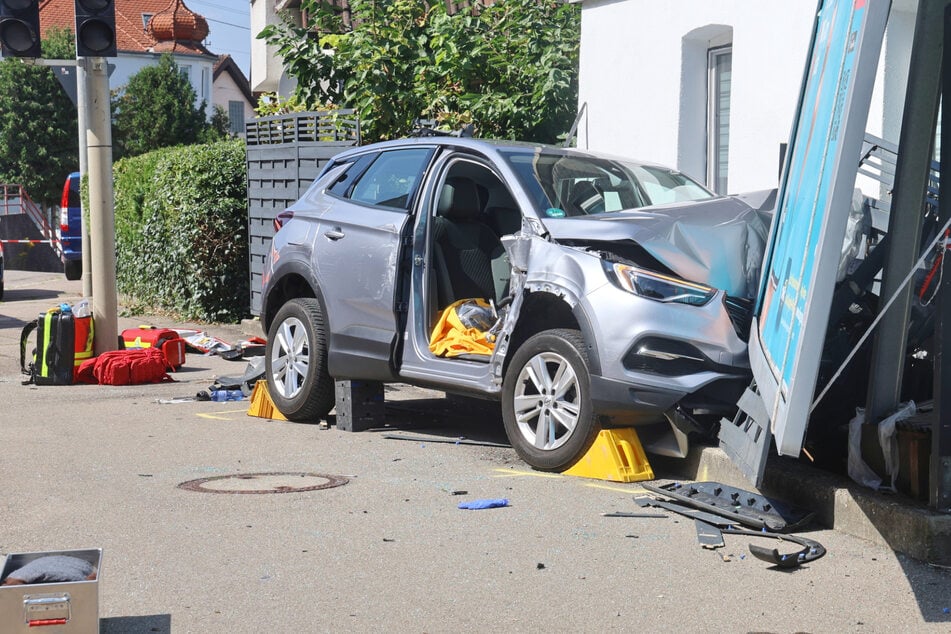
(718, 242)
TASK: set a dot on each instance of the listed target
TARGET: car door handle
(335, 234)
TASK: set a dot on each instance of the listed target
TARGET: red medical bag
(165, 339)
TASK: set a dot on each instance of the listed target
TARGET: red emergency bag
(165, 339)
(125, 367)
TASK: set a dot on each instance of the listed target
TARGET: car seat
(463, 247)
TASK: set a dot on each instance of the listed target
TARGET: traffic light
(20, 28)
(95, 28)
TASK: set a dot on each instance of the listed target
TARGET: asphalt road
(100, 467)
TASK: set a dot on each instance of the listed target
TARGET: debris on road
(461, 440)
(475, 505)
(718, 509)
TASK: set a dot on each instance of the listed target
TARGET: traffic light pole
(102, 227)
(81, 107)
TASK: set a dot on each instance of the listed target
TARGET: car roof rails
(427, 128)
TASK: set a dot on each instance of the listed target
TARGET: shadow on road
(148, 624)
(27, 294)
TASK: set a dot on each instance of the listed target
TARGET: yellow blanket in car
(451, 337)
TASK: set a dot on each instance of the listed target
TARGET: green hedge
(182, 231)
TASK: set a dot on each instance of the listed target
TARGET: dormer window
(145, 20)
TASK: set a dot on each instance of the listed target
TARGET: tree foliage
(39, 138)
(156, 109)
(510, 68)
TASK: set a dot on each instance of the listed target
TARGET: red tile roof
(130, 29)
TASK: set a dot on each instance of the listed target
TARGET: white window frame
(718, 121)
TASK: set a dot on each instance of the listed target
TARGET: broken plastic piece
(743, 507)
(703, 516)
(709, 536)
(812, 549)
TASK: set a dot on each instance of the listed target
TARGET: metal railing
(14, 200)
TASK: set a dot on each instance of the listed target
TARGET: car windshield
(564, 185)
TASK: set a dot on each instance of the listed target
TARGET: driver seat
(464, 248)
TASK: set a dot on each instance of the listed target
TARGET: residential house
(145, 29)
(712, 86)
(230, 90)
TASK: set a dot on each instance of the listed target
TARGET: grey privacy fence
(284, 155)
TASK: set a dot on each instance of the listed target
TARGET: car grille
(741, 314)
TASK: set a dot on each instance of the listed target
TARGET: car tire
(546, 400)
(73, 269)
(296, 362)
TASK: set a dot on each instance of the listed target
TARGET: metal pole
(101, 211)
(907, 209)
(940, 480)
(81, 108)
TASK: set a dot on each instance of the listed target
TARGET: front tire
(296, 362)
(546, 400)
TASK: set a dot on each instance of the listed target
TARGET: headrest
(459, 199)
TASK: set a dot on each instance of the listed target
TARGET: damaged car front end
(663, 297)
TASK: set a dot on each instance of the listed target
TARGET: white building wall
(225, 90)
(643, 77)
(267, 66)
(200, 72)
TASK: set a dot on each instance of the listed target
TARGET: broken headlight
(661, 288)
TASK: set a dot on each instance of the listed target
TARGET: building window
(145, 20)
(236, 117)
(719, 67)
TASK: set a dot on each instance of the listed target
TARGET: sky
(229, 28)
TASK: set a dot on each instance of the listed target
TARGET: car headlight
(661, 288)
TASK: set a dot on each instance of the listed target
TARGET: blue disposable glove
(484, 504)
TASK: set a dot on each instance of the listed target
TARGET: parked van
(70, 228)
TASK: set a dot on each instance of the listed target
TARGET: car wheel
(546, 400)
(73, 269)
(296, 362)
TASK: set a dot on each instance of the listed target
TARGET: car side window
(345, 181)
(392, 178)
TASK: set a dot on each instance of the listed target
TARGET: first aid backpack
(63, 342)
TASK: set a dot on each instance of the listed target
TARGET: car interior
(473, 212)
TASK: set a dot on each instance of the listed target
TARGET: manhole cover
(278, 482)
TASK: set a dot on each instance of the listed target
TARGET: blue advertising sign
(812, 211)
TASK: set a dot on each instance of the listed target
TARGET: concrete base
(894, 521)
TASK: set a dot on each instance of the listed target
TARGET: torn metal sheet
(710, 537)
(743, 507)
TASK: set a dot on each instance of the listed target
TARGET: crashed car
(619, 291)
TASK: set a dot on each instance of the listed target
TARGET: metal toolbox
(58, 608)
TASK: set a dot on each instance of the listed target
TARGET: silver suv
(618, 292)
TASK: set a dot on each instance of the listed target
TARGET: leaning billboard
(813, 206)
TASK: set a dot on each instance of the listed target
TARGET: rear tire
(296, 362)
(546, 400)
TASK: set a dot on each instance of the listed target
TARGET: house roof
(227, 65)
(131, 32)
